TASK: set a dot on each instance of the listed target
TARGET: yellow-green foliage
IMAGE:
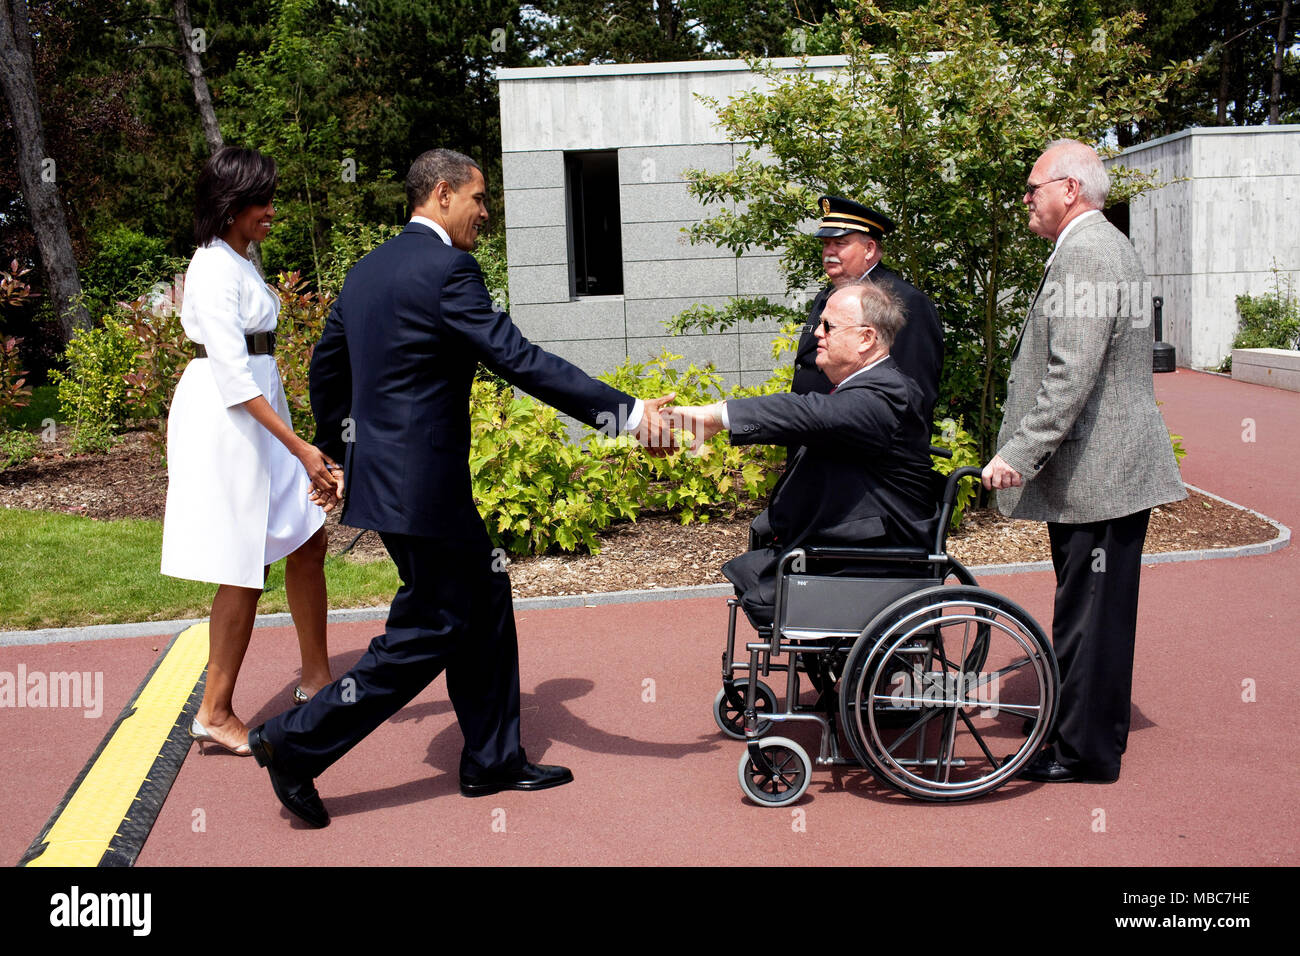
(965, 453)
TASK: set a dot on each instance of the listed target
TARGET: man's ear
(866, 345)
(442, 193)
(1072, 196)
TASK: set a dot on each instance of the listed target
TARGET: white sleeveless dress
(237, 500)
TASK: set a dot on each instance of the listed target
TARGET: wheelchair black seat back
(943, 690)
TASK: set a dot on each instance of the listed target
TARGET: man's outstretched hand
(702, 421)
(655, 431)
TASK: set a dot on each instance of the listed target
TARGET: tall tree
(1279, 57)
(192, 42)
(942, 144)
(647, 31)
(37, 171)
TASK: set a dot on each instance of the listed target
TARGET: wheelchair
(942, 689)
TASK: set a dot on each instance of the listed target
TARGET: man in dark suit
(861, 471)
(1083, 447)
(390, 384)
(852, 237)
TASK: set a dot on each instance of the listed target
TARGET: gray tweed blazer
(1080, 422)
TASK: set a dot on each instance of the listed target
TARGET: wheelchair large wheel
(968, 668)
(785, 781)
(729, 709)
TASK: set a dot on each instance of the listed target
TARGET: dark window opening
(595, 239)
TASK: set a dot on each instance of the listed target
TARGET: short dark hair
(877, 308)
(433, 167)
(231, 181)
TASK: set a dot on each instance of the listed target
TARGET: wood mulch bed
(656, 551)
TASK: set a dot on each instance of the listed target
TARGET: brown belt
(259, 343)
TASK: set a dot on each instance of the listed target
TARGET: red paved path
(1208, 779)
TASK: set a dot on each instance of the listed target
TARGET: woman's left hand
(326, 476)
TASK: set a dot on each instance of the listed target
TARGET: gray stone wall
(655, 118)
(1226, 218)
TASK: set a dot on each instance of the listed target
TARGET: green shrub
(348, 241)
(161, 352)
(491, 255)
(723, 477)
(535, 489)
(302, 320)
(965, 453)
(14, 392)
(17, 447)
(1270, 321)
(93, 391)
(115, 270)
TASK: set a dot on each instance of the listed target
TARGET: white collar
(1066, 231)
(862, 278)
(442, 233)
(863, 369)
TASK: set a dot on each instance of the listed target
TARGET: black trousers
(1094, 624)
(453, 613)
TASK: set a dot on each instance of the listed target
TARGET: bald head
(1067, 181)
(1069, 158)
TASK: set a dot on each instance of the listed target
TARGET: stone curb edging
(100, 632)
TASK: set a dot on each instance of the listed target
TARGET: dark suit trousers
(453, 613)
(1094, 624)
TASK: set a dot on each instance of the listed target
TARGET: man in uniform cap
(851, 236)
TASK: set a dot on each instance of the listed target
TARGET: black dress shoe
(298, 795)
(1045, 768)
(531, 776)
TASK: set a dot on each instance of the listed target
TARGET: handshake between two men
(665, 428)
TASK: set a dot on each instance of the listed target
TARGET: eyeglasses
(827, 328)
(1031, 188)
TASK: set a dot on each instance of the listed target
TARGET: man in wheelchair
(860, 473)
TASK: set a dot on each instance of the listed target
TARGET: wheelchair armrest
(849, 553)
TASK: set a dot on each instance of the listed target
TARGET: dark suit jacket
(918, 349)
(390, 383)
(861, 474)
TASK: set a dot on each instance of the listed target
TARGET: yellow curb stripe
(99, 806)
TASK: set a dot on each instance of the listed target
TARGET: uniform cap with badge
(842, 216)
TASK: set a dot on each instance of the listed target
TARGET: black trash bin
(1164, 357)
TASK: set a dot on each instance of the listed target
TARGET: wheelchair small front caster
(788, 778)
(729, 714)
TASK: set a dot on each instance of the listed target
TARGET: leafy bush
(93, 391)
(491, 255)
(123, 258)
(1270, 321)
(160, 353)
(302, 320)
(965, 454)
(17, 447)
(349, 240)
(723, 477)
(14, 392)
(535, 489)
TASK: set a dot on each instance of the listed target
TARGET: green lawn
(43, 404)
(62, 570)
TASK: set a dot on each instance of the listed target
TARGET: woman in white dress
(243, 490)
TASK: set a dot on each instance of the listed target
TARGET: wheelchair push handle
(950, 502)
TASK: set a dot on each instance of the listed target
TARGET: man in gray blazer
(1084, 448)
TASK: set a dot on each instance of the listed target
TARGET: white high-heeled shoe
(201, 735)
